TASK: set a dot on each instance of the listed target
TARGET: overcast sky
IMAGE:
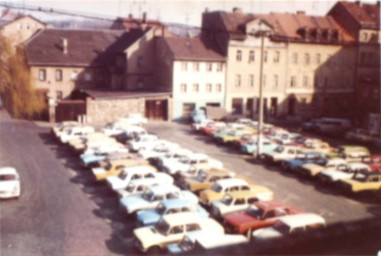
(177, 11)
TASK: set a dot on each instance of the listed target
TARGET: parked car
(221, 187)
(258, 215)
(197, 126)
(104, 160)
(158, 150)
(361, 136)
(115, 167)
(205, 179)
(172, 228)
(333, 126)
(313, 169)
(63, 127)
(129, 173)
(138, 186)
(134, 119)
(204, 240)
(281, 153)
(164, 160)
(153, 196)
(351, 153)
(142, 142)
(171, 206)
(116, 128)
(301, 159)
(213, 127)
(75, 132)
(240, 200)
(9, 182)
(292, 224)
(361, 182)
(252, 147)
(373, 161)
(341, 172)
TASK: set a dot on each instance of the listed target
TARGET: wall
(108, 110)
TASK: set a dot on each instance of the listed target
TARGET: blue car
(252, 147)
(150, 217)
(90, 159)
(301, 159)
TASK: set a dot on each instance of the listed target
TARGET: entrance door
(156, 109)
(291, 106)
(249, 107)
(273, 106)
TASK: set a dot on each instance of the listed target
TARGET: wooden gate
(67, 110)
(156, 109)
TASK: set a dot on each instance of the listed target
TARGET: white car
(138, 186)
(172, 156)
(108, 148)
(142, 142)
(160, 149)
(203, 123)
(134, 119)
(290, 224)
(130, 173)
(172, 228)
(281, 153)
(9, 182)
(342, 172)
(116, 128)
(197, 160)
(75, 132)
(63, 127)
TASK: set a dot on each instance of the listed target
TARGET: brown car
(259, 215)
(205, 179)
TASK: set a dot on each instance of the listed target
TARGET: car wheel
(154, 250)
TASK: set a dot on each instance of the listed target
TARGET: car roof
(177, 202)
(358, 166)
(161, 189)
(231, 181)
(302, 219)
(139, 168)
(213, 171)
(198, 156)
(8, 170)
(182, 218)
(271, 204)
(242, 194)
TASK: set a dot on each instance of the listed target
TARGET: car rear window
(7, 177)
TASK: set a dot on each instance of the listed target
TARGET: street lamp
(262, 33)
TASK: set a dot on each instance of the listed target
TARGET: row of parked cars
(349, 167)
(179, 199)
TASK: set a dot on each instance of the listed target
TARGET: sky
(175, 11)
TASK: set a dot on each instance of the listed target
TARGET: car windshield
(217, 188)
(162, 227)
(192, 170)
(255, 211)
(7, 177)
(130, 188)
(279, 149)
(245, 136)
(123, 175)
(186, 244)
(359, 176)
(201, 176)
(160, 209)
(108, 166)
(148, 195)
(281, 227)
(184, 160)
(227, 200)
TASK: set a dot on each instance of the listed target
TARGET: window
(318, 58)
(251, 80)
(140, 61)
(208, 87)
(209, 67)
(195, 88)
(177, 230)
(251, 56)
(183, 87)
(238, 81)
(276, 81)
(294, 58)
(196, 66)
(276, 56)
(27, 26)
(265, 56)
(220, 67)
(59, 95)
(192, 227)
(293, 81)
(306, 59)
(305, 81)
(42, 74)
(87, 76)
(184, 66)
(239, 55)
(74, 75)
(218, 87)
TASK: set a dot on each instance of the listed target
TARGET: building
(304, 60)
(362, 21)
(19, 27)
(192, 71)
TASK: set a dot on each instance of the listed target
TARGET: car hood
(148, 217)
(8, 185)
(337, 175)
(98, 170)
(133, 201)
(266, 233)
(148, 236)
(115, 182)
(210, 195)
(176, 166)
(240, 218)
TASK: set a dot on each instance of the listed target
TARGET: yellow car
(115, 167)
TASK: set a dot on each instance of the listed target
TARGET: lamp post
(262, 34)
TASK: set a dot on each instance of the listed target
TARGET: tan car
(116, 167)
(318, 146)
(362, 181)
(205, 179)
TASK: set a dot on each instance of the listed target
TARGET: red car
(374, 162)
(211, 128)
(259, 215)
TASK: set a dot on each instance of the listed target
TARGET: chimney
(64, 45)
(358, 3)
(237, 10)
(300, 12)
(144, 20)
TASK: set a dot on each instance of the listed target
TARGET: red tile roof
(192, 49)
(366, 15)
(87, 48)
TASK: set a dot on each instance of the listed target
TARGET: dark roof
(88, 48)
(115, 94)
(192, 49)
(366, 15)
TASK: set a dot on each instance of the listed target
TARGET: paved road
(62, 211)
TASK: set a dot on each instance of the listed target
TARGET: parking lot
(63, 210)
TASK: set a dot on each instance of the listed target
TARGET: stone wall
(108, 110)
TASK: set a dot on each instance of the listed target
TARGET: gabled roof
(192, 49)
(366, 15)
(8, 17)
(87, 48)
